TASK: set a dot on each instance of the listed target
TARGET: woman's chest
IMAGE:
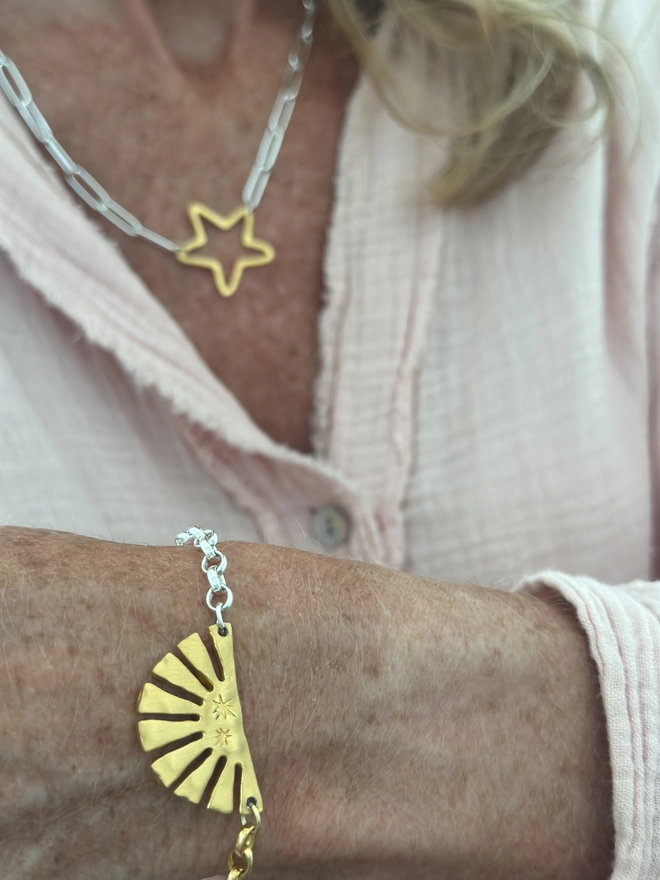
(158, 141)
(261, 342)
(474, 418)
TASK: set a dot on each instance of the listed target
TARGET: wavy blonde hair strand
(515, 65)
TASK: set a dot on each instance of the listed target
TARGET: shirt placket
(382, 263)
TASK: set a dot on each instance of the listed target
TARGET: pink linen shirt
(486, 406)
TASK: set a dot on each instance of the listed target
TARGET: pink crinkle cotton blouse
(486, 405)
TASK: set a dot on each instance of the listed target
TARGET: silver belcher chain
(93, 194)
(214, 565)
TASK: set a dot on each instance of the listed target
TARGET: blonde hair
(515, 65)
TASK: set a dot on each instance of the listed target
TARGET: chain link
(214, 565)
(93, 194)
(81, 181)
(241, 858)
(282, 111)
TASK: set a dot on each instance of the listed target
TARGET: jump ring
(255, 814)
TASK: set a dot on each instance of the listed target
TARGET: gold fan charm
(201, 726)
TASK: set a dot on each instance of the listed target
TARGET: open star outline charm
(264, 251)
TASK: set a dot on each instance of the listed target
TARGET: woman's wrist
(513, 768)
(465, 719)
(381, 709)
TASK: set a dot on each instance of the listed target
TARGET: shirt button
(331, 526)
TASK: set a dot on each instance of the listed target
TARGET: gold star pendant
(265, 252)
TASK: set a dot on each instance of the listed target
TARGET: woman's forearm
(396, 724)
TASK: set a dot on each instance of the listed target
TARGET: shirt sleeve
(622, 624)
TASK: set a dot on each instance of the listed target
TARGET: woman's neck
(196, 33)
(202, 36)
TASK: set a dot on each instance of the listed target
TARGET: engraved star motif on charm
(223, 708)
(223, 737)
(264, 251)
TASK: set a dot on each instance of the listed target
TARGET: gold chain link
(241, 858)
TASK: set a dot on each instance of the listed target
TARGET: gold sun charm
(264, 252)
(199, 720)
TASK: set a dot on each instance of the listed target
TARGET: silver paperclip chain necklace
(91, 191)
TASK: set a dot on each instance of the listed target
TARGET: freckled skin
(468, 722)
(160, 131)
